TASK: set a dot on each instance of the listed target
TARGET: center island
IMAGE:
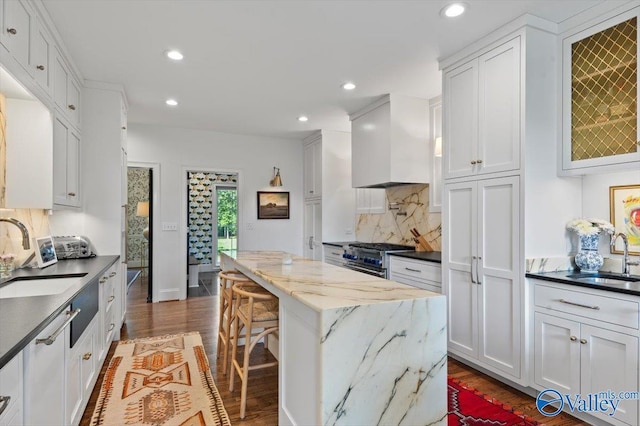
(354, 349)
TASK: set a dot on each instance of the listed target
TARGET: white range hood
(389, 143)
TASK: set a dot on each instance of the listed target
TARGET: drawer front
(11, 386)
(333, 255)
(597, 307)
(416, 269)
(423, 284)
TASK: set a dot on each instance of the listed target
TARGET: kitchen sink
(36, 287)
(609, 279)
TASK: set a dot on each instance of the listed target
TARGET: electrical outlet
(169, 226)
(249, 226)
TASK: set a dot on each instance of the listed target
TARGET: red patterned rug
(468, 407)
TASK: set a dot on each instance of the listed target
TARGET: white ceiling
(252, 67)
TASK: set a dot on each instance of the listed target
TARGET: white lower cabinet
(417, 273)
(81, 367)
(11, 390)
(44, 375)
(583, 349)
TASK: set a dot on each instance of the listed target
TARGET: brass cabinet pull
(479, 161)
(112, 326)
(72, 107)
(86, 356)
(71, 194)
(5, 403)
(110, 299)
(124, 127)
(103, 280)
(573, 338)
(40, 67)
(113, 274)
(473, 162)
(12, 31)
(583, 341)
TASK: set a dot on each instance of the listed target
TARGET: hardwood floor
(201, 314)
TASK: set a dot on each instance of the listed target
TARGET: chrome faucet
(22, 228)
(625, 259)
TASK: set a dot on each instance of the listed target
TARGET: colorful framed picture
(273, 205)
(624, 206)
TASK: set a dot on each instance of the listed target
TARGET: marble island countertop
(322, 286)
(373, 350)
(22, 318)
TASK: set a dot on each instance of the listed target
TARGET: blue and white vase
(588, 259)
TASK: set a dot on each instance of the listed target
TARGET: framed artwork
(624, 207)
(45, 251)
(273, 205)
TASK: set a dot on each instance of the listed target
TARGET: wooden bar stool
(225, 333)
(254, 309)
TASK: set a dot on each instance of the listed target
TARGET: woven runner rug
(467, 406)
(159, 381)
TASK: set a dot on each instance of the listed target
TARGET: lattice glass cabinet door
(600, 96)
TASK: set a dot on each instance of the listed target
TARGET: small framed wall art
(273, 205)
(45, 251)
(624, 207)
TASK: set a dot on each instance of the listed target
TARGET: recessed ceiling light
(348, 86)
(303, 118)
(171, 102)
(175, 55)
(454, 9)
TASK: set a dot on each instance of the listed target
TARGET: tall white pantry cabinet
(500, 190)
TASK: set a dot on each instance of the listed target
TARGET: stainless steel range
(371, 258)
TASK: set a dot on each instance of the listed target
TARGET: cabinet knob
(86, 356)
(12, 31)
(473, 162)
(479, 161)
(583, 341)
(40, 67)
(72, 107)
(124, 127)
(71, 194)
(573, 338)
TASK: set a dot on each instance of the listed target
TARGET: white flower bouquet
(590, 226)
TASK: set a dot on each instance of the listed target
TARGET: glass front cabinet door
(600, 97)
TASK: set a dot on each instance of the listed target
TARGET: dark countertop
(561, 277)
(429, 256)
(22, 318)
(338, 244)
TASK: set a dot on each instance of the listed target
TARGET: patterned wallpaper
(138, 188)
(201, 193)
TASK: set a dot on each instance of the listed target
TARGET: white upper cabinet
(483, 113)
(600, 96)
(313, 170)
(390, 143)
(41, 57)
(15, 34)
(66, 94)
(66, 160)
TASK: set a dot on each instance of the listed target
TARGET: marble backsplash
(37, 223)
(394, 227)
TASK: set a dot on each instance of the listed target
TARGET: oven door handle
(381, 274)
